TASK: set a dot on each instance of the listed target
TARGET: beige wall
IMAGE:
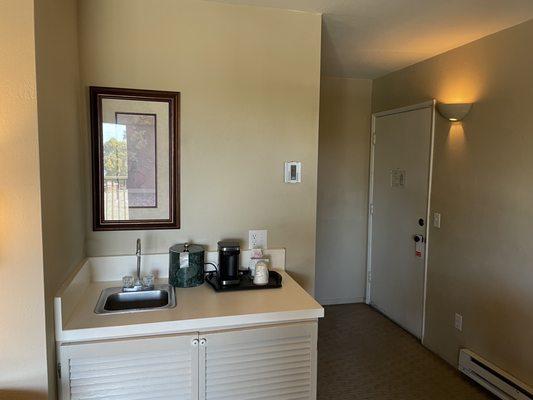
(343, 159)
(22, 326)
(62, 186)
(480, 261)
(249, 80)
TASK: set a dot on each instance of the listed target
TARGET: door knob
(195, 342)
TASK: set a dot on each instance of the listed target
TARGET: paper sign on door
(419, 249)
(397, 178)
(419, 246)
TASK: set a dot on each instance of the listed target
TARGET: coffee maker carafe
(228, 262)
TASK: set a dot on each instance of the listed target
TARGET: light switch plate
(257, 239)
(293, 172)
(458, 322)
(436, 220)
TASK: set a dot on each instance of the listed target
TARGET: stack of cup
(261, 273)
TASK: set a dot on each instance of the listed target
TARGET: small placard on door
(397, 178)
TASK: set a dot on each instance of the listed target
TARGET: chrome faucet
(138, 254)
(135, 284)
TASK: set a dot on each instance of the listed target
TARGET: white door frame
(427, 104)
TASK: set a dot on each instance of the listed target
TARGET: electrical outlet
(459, 322)
(436, 220)
(257, 239)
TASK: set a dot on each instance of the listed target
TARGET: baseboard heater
(494, 379)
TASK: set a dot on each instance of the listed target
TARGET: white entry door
(400, 179)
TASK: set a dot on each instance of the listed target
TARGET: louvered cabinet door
(274, 363)
(156, 368)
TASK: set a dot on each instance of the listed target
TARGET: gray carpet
(364, 356)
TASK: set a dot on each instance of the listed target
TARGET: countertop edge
(185, 326)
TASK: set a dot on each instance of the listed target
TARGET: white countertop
(197, 309)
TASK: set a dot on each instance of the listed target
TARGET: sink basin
(114, 300)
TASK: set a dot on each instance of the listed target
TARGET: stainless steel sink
(114, 300)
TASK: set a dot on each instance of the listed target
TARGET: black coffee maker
(228, 262)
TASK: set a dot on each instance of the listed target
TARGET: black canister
(186, 265)
(228, 262)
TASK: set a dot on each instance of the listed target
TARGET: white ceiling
(370, 38)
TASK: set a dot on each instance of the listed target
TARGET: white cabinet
(274, 363)
(267, 363)
(155, 368)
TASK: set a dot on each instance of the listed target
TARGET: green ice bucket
(186, 265)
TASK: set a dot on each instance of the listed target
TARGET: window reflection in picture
(130, 165)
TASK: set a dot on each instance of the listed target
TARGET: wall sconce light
(454, 112)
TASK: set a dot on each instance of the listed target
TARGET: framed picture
(135, 159)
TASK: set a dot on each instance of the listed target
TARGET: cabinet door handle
(195, 342)
(203, 342)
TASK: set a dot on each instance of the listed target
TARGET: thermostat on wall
(293, 172)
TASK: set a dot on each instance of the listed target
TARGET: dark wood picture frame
(97, 94)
